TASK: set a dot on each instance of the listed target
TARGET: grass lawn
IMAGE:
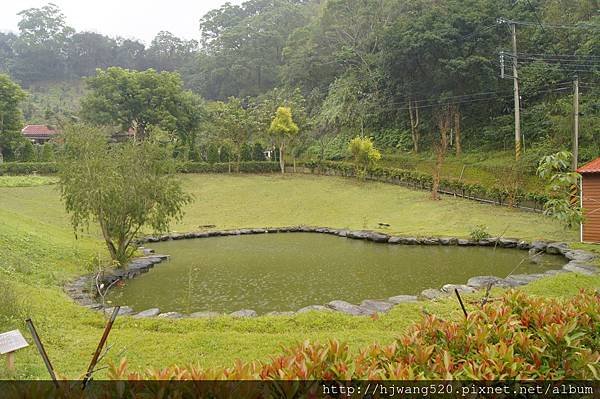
(39, 252)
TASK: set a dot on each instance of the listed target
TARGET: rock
(448, 241)
(348, 308)
(556, 248)
(123, 311)
(430, 241)
(205, 314)
(402, 299)
(580, 255)
(539, 246)
(377, 237)
(170, 315)
(277, 313)
(525, 278)
(432, 293)
(313, 308)
(360, 235)
(342, 233)
(508, 242)
(555, 272)
(523, 245)
(200, 234)
(410, 241)
(376, 306)
(244, 313)
(486, 242)
(462, 242)
(259, 231)
(395, 240)
(483, 281)
(449, 288)
(246, 231)
(581, 268)
(147, 313)
(177, 236)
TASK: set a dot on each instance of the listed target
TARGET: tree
(282, 129)
(123, 187)
(138, 100)
(561, 205)
(235, 124)
(364, 154)
(11, 119)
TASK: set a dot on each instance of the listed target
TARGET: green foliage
(142, 100)
(212, 153)
(11, 119)
(561, 182)
(364, 154)
(135, 189)
(21, 168)
(479, 232)
(518, 337)
(217, 167)
(283, 129)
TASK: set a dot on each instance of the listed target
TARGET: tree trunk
(440, 151)
(414, 125)
(238, 161)
(281, 162)
(457, 130)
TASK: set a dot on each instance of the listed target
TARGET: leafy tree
(283, 128)
(364, 154)
(11, 119)
(561, 205)
(138, 100)
(235, 125)
(123, 187)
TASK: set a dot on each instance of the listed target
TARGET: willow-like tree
(283, 128)
(123, 187)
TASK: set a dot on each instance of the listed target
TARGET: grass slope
(38, 252)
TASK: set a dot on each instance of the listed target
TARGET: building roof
(38, 131)
(590, 167)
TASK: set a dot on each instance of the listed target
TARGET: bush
(245, 167)
(28, 168)
(518, 337)
(479, 232)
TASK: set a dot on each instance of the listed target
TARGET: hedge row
(245, 167)
(424, 181)
(28, 168)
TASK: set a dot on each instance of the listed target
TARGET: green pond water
(268, 272)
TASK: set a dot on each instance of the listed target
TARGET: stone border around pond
(579, 261)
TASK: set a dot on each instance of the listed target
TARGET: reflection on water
(267, 272)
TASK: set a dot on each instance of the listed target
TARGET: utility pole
(575, 140)
(516, 93)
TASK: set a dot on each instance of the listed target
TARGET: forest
(399, 71)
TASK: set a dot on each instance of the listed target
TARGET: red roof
(38, 130)
(590, 167)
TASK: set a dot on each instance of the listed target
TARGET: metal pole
(90, 370)
(575, 124)
(461, 303)
(516, 94)
(41, 350)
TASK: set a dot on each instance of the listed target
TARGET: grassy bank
(39, 252)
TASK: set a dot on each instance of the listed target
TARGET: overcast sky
(139, 19)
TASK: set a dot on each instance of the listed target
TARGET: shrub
(27, 168)
(479, 232)
(515, 338)
(245, 167)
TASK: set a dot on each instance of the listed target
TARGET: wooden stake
(10, 361)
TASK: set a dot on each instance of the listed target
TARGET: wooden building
(39, 134)
(590, 201)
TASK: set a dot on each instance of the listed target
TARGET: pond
(285, 272)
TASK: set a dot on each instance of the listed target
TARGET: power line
(580, 26)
